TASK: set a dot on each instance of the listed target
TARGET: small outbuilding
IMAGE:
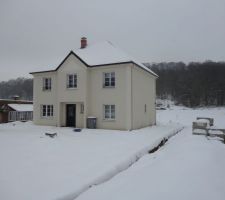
(15, 110)
(20, 112)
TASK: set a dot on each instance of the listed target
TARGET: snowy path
(187, 167)
(121, 167)
(34, 166)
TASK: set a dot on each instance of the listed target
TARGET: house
(96, 81)
(15, 110)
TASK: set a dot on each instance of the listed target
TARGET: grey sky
(36, 35)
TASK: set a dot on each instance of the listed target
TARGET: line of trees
(193, 84)
(23, 87)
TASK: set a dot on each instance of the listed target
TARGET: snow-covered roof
(21, 107)
(104, 53)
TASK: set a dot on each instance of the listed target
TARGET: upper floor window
(109, 112)
(47, 110)
(72, 81)
(47, 83)
(109, 79)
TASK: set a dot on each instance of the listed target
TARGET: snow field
(187, 167)
(107, 164)
(35, 166)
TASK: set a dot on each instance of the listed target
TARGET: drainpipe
(131, 97)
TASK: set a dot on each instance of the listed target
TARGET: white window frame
(74, 81)
(20, 115)
(110, 76)
(111, 114)
(47, 111)
(47, 84)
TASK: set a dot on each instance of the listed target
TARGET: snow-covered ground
(186, 116)
(187, 167)
(104, 164)
(35, 166)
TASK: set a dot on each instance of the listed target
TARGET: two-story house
(97, 80)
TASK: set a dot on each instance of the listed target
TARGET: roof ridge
(102, 53)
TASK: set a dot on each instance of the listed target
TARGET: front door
(71, 115)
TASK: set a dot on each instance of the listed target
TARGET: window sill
(109, 120)
(47, 90)
(75, 88)
(108, 87)
(51, 117)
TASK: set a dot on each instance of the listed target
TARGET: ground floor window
(47, 110)
(109, 112)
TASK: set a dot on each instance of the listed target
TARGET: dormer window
(47, 84)
(71, 80)
(109, 80)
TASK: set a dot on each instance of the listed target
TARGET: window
(109, 111)
(47, 84)
(72, 81)
(47, 110)
(145, 108)
(109, 79)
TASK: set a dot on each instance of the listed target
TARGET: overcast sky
(37, 35)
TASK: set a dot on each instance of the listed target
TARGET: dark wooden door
(71, 115)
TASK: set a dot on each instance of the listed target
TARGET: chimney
(83, 42)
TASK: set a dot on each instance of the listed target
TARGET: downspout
(131, 80)
(57, 103)
(155, 99)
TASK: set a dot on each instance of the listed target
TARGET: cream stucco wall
(72, 96)
(60, 95)
(100, 96)
(70, 66)
(41, 97)
(143, 93)
(134, 88)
